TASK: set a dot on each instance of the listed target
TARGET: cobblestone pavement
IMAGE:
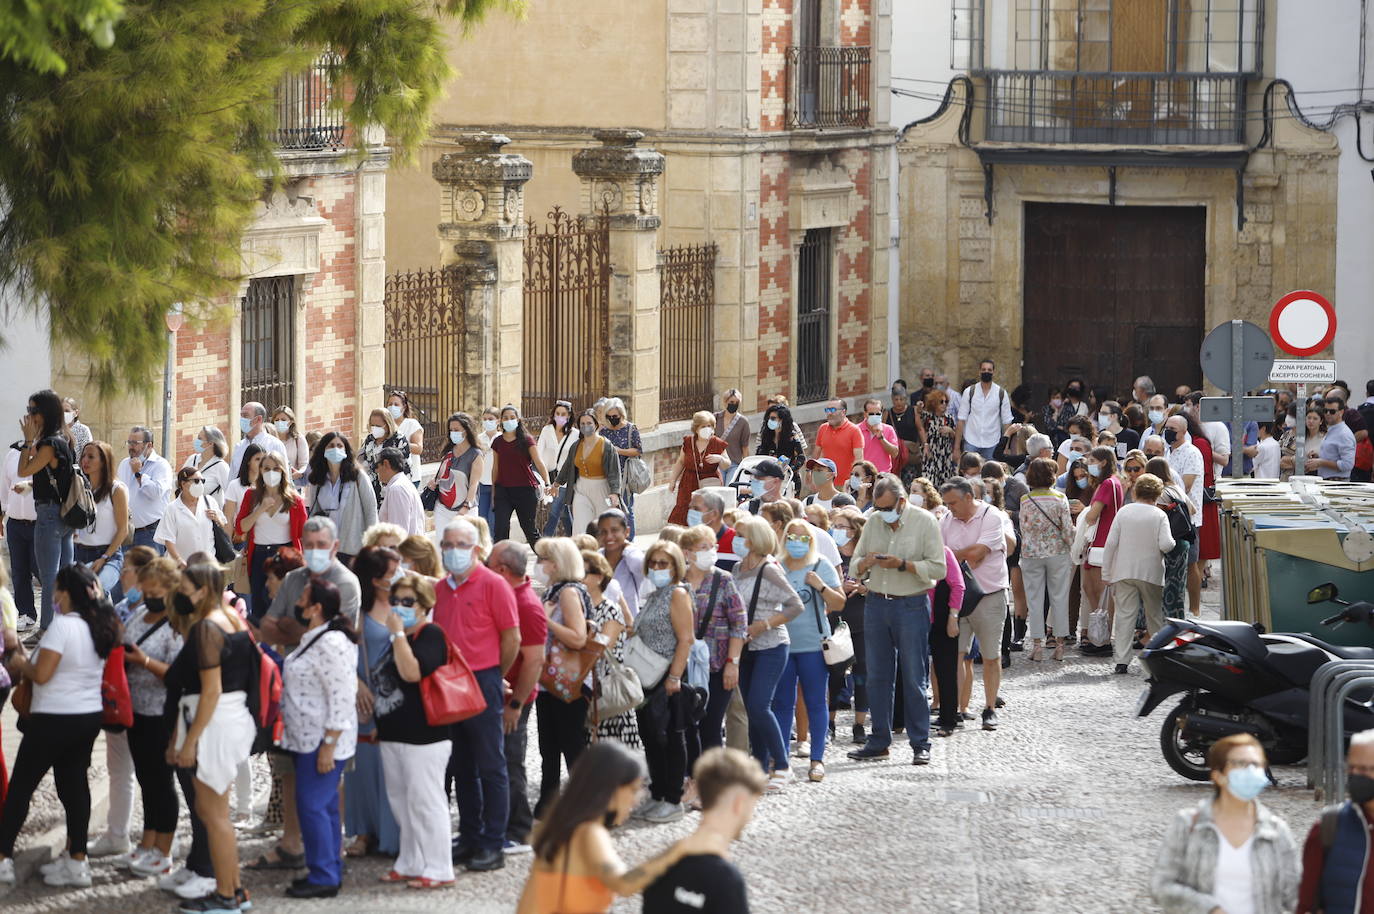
(1060, 810)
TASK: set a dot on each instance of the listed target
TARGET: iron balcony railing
(829, 87)
(1126, 109)
(308, 117)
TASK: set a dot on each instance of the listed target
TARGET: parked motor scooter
(1238, 679)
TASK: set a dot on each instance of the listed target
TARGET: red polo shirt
(839, 445)
(475, 613)
(534, 629)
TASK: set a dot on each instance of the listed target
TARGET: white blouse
(319, 693)
(102, 532)
(189, 531)
(409, 426)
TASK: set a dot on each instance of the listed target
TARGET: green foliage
(127, 180)
(29, 28)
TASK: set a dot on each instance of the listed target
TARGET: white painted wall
(25, 363)
(920, 64)
(1318, 53)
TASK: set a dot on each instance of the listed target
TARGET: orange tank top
(590, 467)
(563, 893)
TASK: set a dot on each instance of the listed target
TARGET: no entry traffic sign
(1302, 323)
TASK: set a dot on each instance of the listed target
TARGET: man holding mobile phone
(149, 480)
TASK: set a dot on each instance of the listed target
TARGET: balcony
(829, 87)
(308, 117)
(1119, 109)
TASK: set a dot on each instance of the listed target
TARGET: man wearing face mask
(320, 544)
(765, 484)
(253, 425)
(709, 508)
(149, 480)
(839, 439)
(880, 439)
(1156, 411)
(984, 415)
(1337, 869)
(401, 504)
(822, 473)
(476, 607)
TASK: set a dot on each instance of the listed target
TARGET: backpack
(268, 711)
(78, 507)
(116, 705)
(1180, 521)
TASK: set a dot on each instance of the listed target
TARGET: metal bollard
(1332, 782)
(1316, 717)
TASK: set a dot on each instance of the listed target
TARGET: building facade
(1098, 185)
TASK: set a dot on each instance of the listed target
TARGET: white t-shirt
(75, 686)
(409, 426)
(233, 494)
(1233, 882)
(1267, 459)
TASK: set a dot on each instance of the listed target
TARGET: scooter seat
(1297, 662)
(1342, 651)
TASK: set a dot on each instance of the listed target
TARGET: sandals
(285, 860)
(1038, 650)
(426, 883)
(1058, 651)
(393, 876)
(361, 847)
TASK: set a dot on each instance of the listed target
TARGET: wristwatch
(732, 660)
(514, 705)
(329, 740)
(902, 567)
(395, 635)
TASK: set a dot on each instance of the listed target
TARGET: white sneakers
(55, 864)
(175, 880)
(7, 871)
(663, 812)
(643, 809)
(801, 749)
(108, 845)
(69, 872)
(150, 862)
(196, 887)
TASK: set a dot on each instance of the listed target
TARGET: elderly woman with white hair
(559, 570)
(702, 463)
(624, 437)
(733, 426)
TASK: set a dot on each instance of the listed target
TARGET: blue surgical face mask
(1094, 469)
(457, 437)
(407, 614)
(458, 561)
(245, 425)
(395, 411)
(1082, 482)
(693, 517)
(318, 560)
(660, 577)
(198, 445)
(489, 425)
(134, 596)
(1156, 417)
(1247, 783)
(839, 535)
(283, 426)
(797, 550)
(510, 425)
(756, 487)
(739, 546)
(335, 454)
(774, 425)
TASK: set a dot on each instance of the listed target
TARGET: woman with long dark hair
(101, 545)
(47, 456)
(340, 490)
(781, 437)
(319, 711)
(64, 718)
(576, 867)
(240, 485)
(518, 473)
(272, 515)
(556, 441)
(459, 476)
(404, 414)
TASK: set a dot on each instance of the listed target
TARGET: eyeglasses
(798, 538)
(658, 563)
(1332, 412)
(1131, 469)
(831, 409)
(407, 602)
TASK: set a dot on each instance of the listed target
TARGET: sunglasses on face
(798, 538)
(1332, 412)
(659, 564)
(407, 602)
(1131, 469)
(831, 409)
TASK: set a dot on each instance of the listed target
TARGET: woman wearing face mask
(781, 437)
(210, 449)
(665, 625)
(909, 428)
(100, 546)
(491, 428)
(861, 480)
(556, 441)
(1228, 853)
(1111, 418)
(381, 434)
(367, 814)
(610, 620)
(558, 569)
(415, 753)
(1109, 496)
(272, 515)
(408, 427)
(818, 585)
(291, 437)
(733, 427)
(213, 685)
(589, 477)
(846, 525)
(81, 434)
(718, 615)
(1312, 445)
(320, 730)
(457, 480)
(241, 484)
(185, 527)
(47, 456)
(420, 555)
(518, 473)
(771, 603)
(1053, 418)
(340, 490)
(703, 462)
(624, 437)
(937, 463)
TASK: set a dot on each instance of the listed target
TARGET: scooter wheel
(1187, 757)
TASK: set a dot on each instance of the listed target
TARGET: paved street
(1061, 810)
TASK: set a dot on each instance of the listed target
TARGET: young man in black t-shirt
(730, 784)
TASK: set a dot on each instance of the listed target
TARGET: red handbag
(451, 693)
(117, 706)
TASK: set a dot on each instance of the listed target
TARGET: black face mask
(613, 421)
(732, 407)
(1360, 787)
(927, 382)
(300, 616)
(986, 376)
(155, 604)
(182, 604)
(1075, 392)
(1170, 436)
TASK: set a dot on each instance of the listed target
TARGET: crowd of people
(886, 567)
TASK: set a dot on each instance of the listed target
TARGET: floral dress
(622, 727)
(939, 464)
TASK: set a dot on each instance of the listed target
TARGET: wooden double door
(1112, 293)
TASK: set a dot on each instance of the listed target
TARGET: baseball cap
(821, 463)
(768, 468)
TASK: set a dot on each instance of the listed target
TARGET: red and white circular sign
(1302, 323)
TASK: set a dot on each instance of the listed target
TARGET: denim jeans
(985, 452)
(23, 562)
(898, 628)
(479, 769)
(142, 537)
(317, 807)
(484, 510)
(758, 681)
(109, 572)
(52, 549)
(810, 668)
(560, 511)
(521, 819)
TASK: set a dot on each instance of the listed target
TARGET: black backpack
(1180, 521)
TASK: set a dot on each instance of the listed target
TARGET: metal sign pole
(1237, 399)
(1299, 454)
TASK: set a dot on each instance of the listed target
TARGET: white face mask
(705, 433)
(874, 419)
(378, 432)
(196, 489)
(69, 417)
(706, 559)
(395, 411)
(271, 478)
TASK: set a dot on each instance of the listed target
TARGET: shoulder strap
(816, 601)
(1329, 822)
(149, 633)
(758, 582)
(710, 604)
(1043, 512)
